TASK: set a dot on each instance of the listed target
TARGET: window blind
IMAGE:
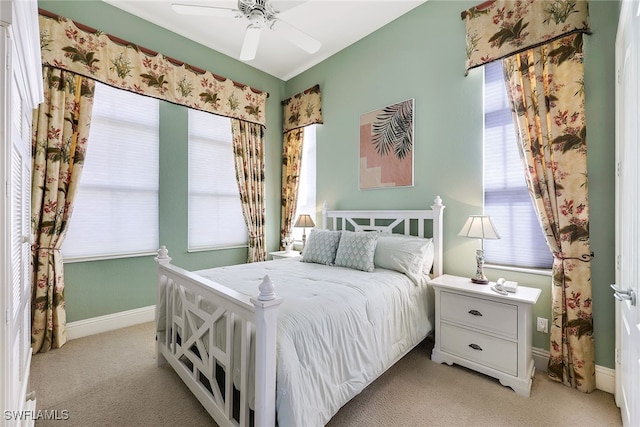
(215, 214)
(116, 207)
(307, 186)
(506, 197)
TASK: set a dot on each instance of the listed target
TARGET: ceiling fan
(260, 14)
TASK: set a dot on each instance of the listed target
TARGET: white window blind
(307, 185)
(506, 198)
(116, 208)
(215, 214)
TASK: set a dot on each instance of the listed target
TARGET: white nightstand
(484, 331)
(284, 254)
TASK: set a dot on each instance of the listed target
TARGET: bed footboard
(209, 334)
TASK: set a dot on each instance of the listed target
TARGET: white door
(21, 89)
(17, 176)
(628, 213)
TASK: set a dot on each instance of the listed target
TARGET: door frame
(627, 23)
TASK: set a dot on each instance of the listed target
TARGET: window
(506, 198)
(215, 214)
(307, 186)
(116, 208)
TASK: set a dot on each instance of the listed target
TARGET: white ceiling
(335, 23)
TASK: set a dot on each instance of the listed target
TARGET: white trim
(605, 377)
(526, 270)
(213, 248)
(110, 322)
(105, 257)
(540, 358)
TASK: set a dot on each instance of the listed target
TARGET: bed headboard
(409, 222)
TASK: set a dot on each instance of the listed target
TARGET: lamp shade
(479, 227)
(304, 220)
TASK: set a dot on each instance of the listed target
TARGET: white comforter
(338, 330)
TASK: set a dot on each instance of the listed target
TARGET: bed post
(266, 306)
(324, 215)
(437, 207)
(163, 258)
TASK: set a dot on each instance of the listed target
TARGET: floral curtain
(116, 62)
(302, 109)
(499, 28)
(542, 50)
(60, 131)
(248, 150)
(291, 160)
(547, 96)
(74, 57)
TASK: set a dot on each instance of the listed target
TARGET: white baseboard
(110, 322)
(605, 377)
(540, 358)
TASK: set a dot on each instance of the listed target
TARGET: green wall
(104, 287)
(421, 55)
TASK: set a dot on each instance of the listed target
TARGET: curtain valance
(302, 109)
(499, 28)
(91, 53)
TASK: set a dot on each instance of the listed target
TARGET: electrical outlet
(542, 325)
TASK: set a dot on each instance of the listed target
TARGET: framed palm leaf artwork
(386, 147)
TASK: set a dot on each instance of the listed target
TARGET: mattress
(338, 329)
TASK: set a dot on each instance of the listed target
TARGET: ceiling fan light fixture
(260, 14)
(256, 18)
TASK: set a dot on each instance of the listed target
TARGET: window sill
(537, 271)
(215, 248)
(71, 260)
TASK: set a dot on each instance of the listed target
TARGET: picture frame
(387, 147)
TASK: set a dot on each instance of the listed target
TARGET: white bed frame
(186, 334)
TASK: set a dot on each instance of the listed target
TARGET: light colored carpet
(111, 379)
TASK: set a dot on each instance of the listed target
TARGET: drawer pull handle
(475, 313)
(475, 347)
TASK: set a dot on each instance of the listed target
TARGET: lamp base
(480, 278)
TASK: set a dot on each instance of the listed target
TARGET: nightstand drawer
(490, 316)
(484, 349)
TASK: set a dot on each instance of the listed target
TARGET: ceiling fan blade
(192, 9)
(295, 36)
(250, 42)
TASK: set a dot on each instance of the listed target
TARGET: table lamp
(304, 221)
(479, 227)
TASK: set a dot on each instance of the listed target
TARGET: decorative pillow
(356, 250)
(321, 246)
(409, 255)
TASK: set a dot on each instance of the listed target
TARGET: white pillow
(356, 250)
(427, 262)
(410, 255)
(321, 246)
